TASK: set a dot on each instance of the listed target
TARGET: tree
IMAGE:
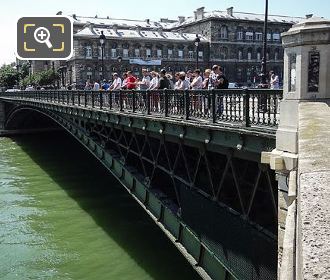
(8, 76)
(42, 78)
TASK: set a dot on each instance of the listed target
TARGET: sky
(12, 10)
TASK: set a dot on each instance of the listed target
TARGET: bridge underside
(218, 204)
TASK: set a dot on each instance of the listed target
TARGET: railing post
(133, 100)
(72, 98)
(78, 92)
(92, 99)
(148, 101)
(67, 98)
(166, 102)
(246, 104)
(110, 98)
(213, 106)
(186, 104)
(120, 100)
(101, 100)
(85, 98)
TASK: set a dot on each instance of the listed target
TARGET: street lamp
(102, 42)
(119, 59)
(263, 74)
(197, 41)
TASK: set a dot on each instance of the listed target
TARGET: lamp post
(263, 74)
(102, 42)
(197, 41)
(119, 59)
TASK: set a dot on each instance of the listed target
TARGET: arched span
(26, 117)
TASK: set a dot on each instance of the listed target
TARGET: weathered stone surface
(315, 225)
(313, 230)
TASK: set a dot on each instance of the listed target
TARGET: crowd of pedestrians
(194, 80)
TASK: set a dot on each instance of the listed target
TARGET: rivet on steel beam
(239, 147)
(207, 141)
(143, 128)
(161, 131)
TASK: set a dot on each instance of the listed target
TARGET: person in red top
(131, 80)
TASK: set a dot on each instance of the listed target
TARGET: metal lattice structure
(214, 198)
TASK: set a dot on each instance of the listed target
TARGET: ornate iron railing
(244, 107)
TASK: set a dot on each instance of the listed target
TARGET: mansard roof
(92, 31)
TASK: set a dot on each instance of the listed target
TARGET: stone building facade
(236, 40)
(227, 38)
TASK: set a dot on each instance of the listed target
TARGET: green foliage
(8, 76)
(43, 78)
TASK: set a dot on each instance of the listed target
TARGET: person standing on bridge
(96, 86)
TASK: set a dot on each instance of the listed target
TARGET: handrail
(245, 107)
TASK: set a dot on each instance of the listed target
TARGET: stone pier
(301, 157)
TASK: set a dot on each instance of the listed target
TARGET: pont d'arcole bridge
(217, 170)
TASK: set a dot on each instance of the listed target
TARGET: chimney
(230, 11)
(199, 14)
(108, 17)
(115, 28)
(138, 29)
(181, 19)
(95, 16)
(91, 26)
(148, 21)
(309, 16)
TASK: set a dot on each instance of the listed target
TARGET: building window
(276, 55)
(159, 53)
(249, 35)
(113, 53)
(223, 53)
(240, 55)
(240, 34)
(148, 53)
(249, 54)
(269, 36)
(276, 36)
(169, 53)
(190, 54)
(100, 52)
(223, 32)
(137, 52)
(125, 52)
(200, 54)
(180, 53)
(88, 51)
(258, 36)
(259, 55)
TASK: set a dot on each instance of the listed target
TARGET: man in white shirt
(274, 80)
(116, 84)
(144, 84)
(96, 86)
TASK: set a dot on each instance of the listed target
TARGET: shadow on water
(102, 197)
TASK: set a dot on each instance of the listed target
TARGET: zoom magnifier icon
(42, 35)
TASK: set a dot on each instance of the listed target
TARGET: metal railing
(245, 107)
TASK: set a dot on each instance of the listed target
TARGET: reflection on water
(63, 216)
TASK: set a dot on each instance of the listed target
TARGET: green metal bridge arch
(210, 196)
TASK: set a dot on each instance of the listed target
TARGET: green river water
(63, 216)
